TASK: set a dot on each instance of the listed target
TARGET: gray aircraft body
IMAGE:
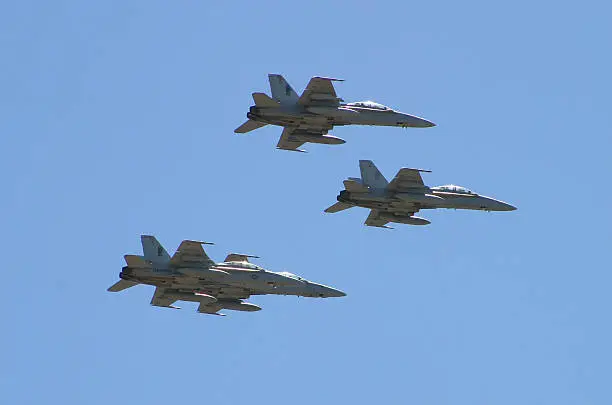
(309, 117)
(405, 195)
(190, 275)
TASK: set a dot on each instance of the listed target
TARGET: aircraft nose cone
(337, 293)
(324, 291)
(502, 206)
(426, 124)
(417, 122)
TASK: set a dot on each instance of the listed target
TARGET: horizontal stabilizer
(136, 261)
(263, 100)
(121, 285)
(249, 126)
(355, 186)
(337, 207)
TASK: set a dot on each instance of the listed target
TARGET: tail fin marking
(153, 250)
(371, 176)
(281, 90)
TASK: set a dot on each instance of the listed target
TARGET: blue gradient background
(117, 118)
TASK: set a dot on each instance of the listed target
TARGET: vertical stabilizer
(282, 91)
(153, 250)
(371, 176)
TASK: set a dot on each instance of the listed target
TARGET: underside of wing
(191, 252)
(375, 220)
(161, 300)
(407, 179)
(320, 91)
(290, 142)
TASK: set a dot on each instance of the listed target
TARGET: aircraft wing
(407, 179)
(191, 252)
(161, 300)
(320, 91)
(289, 142)
(239, 257)
(374, 220)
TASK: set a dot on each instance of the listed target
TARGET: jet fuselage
(325, 117)
(225, 276)
(403, 202)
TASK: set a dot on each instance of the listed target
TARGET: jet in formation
(309, 117)
(405, 195)
(190, 275)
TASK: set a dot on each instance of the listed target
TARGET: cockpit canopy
(370, 104)
(291, 275)
(451, 188)
(244, 265)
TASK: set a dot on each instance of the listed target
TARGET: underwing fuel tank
(239, 306)
(316, 138)
(194, 297)
(403, 219)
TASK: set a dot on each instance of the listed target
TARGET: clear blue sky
(117, 118)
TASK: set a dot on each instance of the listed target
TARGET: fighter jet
(190, 275)
(309, 117)
(399, 200)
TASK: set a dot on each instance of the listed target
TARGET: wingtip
(200, 242)
(332, 79)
